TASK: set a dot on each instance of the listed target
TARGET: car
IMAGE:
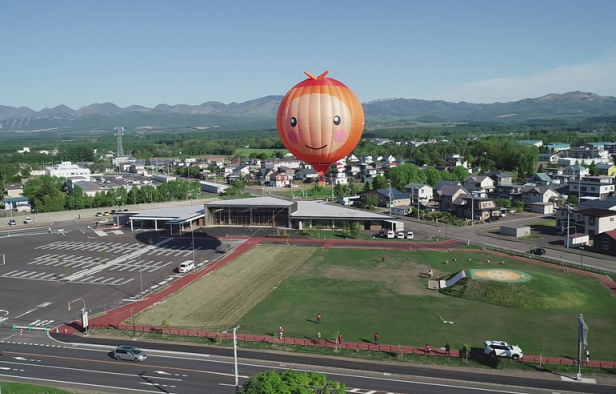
(538, 251)
(400, 235)
(186, 266)
(391, 234)
(98, 214)
(28, 220)
(410, 235)
(113, 211)
(106, 214)
(125, 210)
(12, 222)
(502, 349)
(130, 353)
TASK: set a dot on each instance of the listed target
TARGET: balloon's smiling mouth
(310, 147)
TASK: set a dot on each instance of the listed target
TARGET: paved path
(118, 317)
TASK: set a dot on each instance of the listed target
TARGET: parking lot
(41, 274)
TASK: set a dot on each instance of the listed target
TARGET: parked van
(186, 266)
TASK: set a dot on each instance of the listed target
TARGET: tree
(367, 186)
(291, 382)
(355, 229)
(371, 201)
(379, 182)
(340, 191)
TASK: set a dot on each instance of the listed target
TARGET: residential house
(397, 198)
(277, 163)
(499, 178)
(443, 182)
(605, 243)
(242, 171)
(419, 192)
(263, 174)
(14, 190)
(450, 197)
(548, 158)
(510, 192)
(534, 194)
(607, 169)
(482, 184)
(593, 187)
(597, 221)
(456, 161)
(575, 172)
(306, 174)
(478, 208)
(279, 179)
(540, 179)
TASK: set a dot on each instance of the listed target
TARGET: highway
(181, 368)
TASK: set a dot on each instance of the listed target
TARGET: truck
(393, 225)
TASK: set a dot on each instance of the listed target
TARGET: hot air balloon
(320, 121)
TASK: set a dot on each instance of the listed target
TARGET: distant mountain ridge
(261, 113)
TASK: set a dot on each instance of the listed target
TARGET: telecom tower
(119, 132)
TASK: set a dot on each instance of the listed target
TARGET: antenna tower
(119, 132)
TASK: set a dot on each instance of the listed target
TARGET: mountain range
(260, 114)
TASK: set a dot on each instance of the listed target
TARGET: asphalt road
(176, 368)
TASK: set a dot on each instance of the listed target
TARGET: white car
(186, 266)
(400, 235)
(502, 349)
(28, 220)
(391, 234)
(410, 235)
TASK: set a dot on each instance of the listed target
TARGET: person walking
(339, 339)
(428, 349)
(430, 273)
(318, 318)
(280, 332)
(319, 336)
(587, 357)
(376, 338)
(447, 349)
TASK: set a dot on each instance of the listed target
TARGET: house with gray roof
(541, 179)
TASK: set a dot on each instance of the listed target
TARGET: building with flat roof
(66, 169)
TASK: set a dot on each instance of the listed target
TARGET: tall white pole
(472, 209)
(237, 382)
(568, 214)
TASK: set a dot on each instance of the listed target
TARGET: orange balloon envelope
(320, 121)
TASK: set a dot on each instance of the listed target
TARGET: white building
(66, 169)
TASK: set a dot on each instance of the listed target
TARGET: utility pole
(582, 341)
(389, 202)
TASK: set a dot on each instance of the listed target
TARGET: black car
(538, 251)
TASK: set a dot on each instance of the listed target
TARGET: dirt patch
(410, 280)
(222, 298)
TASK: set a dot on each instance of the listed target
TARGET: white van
(391, 234)
(186, 266)
(410, 235)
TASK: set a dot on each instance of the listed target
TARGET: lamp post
(140, 270)
(84, 314)
(237, 383)
(389, 202)
(473, 208)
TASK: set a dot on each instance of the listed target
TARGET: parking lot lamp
(84, 314)
(237, 383)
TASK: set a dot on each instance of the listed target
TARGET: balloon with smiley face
(320, 121)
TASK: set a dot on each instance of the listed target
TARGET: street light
(140, 275)
(237, 383)
(473, 207)
(84, 314)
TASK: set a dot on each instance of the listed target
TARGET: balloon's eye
(293, 122)
(337, 120)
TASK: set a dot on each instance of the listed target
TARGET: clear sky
(149, 52)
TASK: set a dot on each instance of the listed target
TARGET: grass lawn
(23, 388)
(358, 294)
(220, 299)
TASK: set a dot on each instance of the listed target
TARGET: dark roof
(450, 190)
(395, 194)
(497, 174)
(608, 203)
(598, 213)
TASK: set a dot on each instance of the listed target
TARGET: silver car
(130, 353)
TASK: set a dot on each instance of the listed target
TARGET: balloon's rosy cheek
(340, 136)
(293, 137)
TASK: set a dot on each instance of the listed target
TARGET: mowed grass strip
(222, 298)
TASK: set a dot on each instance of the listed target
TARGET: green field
(23, 388)
(358, 294)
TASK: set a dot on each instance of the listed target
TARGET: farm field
(358, 294)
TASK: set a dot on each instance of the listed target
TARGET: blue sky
(149, 52)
